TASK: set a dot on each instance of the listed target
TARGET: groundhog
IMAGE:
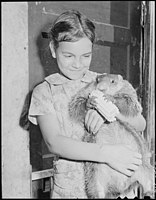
(101, 181)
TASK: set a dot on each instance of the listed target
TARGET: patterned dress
(53, 96)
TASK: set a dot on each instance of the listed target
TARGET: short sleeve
(41, 102)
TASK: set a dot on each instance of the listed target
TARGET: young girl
(72, 38)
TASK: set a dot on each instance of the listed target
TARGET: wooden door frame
(147, 72)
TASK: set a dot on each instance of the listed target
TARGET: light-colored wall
(15, 85)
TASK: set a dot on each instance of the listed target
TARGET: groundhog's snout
(102, 87)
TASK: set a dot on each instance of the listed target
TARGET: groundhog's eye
(112, 81)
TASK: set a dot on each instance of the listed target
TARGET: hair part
(70, 26)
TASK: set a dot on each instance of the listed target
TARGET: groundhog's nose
(102, 87)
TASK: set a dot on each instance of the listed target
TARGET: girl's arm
(64, 146)
(118, 157)
(138, 122)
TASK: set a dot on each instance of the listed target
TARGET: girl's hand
(122, 158)
(93, 121)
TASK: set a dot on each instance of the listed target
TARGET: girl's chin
(75, 77)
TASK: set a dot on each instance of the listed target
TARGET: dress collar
(58, 79)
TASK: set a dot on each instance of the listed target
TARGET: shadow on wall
(24, 122)
(47, 61)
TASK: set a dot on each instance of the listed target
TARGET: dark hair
(71, 26)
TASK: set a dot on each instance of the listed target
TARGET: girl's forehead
(84, 45)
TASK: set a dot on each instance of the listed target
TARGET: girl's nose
(76, 64)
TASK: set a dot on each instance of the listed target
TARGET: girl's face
(74, 58)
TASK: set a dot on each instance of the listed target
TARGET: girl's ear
(52, 49)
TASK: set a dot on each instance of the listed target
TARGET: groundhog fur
(101, 181)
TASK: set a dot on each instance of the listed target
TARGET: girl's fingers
(88, 119)
(137, 162)
(98, 125)
(93, 121)
(128, 172)
(133, 167)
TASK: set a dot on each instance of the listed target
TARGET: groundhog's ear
(120, 77)
(100, 76)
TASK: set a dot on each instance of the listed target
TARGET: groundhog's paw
(91, 102)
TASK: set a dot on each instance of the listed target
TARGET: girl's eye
(87, 56)
(68, 56)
